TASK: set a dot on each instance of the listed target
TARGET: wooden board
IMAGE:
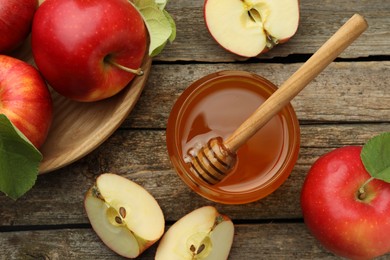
(273, 241)
(345, 105)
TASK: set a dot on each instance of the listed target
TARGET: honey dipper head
(213, 162)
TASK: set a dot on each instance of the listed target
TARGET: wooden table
(345, 105)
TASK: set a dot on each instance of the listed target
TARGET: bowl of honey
(214, 106)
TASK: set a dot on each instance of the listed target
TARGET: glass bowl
(214, 106)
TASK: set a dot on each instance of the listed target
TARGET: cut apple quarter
(202, 234)
(250, 27)
(124, 215)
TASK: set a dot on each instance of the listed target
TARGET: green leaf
(375, 156)
(161, 4)
(173, 26)
(19, 160)
(160, 24)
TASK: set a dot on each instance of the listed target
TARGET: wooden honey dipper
(213, 162)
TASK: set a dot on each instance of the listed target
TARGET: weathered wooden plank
(345, 91)
(251, 241)
(317, 23)
(57, 198)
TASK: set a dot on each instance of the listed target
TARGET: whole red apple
(25, 99)
(16, 17)
(348, 222)
(75, 44)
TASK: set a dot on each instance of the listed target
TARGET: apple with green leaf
(201, 234)
(345, 199)
(250, 27)
(26, 112)
(25, 99)
(88, 50)
(124, 215)
(16, 17)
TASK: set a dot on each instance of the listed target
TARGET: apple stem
(138, 72)
(362, 192)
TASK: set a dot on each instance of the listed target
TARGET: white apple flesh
(124, 215)
(202, 234)
(250, 27)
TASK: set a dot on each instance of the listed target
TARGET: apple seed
(122, 212)
(200, 249)
(118, 220)
(254, 15)
(200, 245)
(195, 255)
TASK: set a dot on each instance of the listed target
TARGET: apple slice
(250, 27)
(124, 215)
(202, 234)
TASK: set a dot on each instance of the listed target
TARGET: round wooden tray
(80, 127)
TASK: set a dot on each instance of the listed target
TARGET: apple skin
(72, 41)
(25, 99)
(16, 17)
(344, 224)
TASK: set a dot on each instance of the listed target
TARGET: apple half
(202, 234)
(124, 215)
(250, 27)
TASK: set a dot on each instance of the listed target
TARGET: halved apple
(250, 27)
(124, 215)
(202, 234)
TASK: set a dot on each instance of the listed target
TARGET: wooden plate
(78, 128)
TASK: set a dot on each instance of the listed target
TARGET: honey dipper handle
(349, 32)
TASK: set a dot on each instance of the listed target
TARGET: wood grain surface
(348, 103)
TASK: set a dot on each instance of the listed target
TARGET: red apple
(250, 27)
(16, 17)
(346, 221)
(25, 99)
(75, 44)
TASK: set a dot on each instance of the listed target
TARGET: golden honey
(216, 105)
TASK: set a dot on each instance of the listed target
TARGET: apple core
(113, 216)
(199, 245)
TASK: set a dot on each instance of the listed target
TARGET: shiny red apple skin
(16, 17)
(25, 99)
(72, 40)
(344, 224)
